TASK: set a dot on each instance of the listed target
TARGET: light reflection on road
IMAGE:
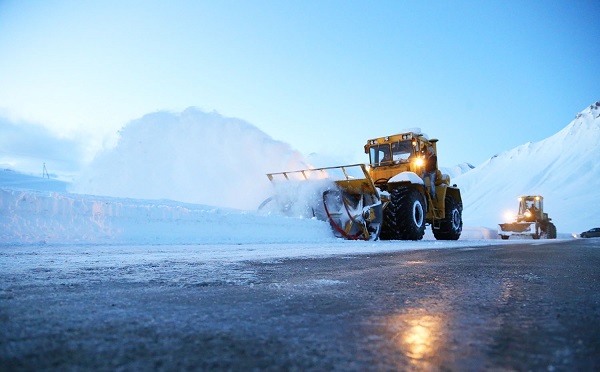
(418, 334)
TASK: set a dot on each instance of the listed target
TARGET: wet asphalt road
(508, 307)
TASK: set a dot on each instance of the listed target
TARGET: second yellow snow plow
(531, 221)
(387, 199)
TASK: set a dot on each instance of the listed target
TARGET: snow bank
(44, 217)
(61, 218)
(194, 157)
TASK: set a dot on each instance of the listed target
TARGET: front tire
(452, 224)
(404, 216)
(538, 232)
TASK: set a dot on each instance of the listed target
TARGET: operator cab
(401, 148)
(530, 208)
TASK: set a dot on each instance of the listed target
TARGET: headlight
(419, 162)
(527, 213)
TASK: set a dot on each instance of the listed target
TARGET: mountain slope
(457, 170)
(563, 168)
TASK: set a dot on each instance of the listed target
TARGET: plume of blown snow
(194, 157)
(563, 168)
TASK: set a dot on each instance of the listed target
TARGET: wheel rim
(418, 213)
(455, 219)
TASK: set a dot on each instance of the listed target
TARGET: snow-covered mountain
(457, 170)
(564, 169)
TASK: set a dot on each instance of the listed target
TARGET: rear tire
(404, 216)
(551, 231)
(452, 224)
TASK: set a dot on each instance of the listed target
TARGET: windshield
(398, 152)
(380, 154)
(402, 150)
(531, 204)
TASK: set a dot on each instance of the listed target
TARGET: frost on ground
(179, 265)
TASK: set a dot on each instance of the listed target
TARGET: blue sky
(323, 76)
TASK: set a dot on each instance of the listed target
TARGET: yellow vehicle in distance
(531, 220)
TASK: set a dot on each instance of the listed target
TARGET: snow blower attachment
(345, 196)
(387, 199)
(531, 220)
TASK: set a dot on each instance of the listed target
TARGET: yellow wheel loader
(386, 199)
(530, 221)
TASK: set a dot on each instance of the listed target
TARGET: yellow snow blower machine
(531, 220)
(392, 198)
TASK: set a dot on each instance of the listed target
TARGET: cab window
(402, 150)
(380, 155)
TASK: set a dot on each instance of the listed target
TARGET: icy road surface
(528, 305)
(98, 262)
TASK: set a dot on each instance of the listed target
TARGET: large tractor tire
(452, 224)
(404, 216)
(551, 231)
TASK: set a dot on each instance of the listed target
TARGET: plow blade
(506, 230)
(345, 196)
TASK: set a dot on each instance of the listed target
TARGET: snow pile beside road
(61, 218)
(32, 213)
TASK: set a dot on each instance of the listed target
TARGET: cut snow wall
(55, 218)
